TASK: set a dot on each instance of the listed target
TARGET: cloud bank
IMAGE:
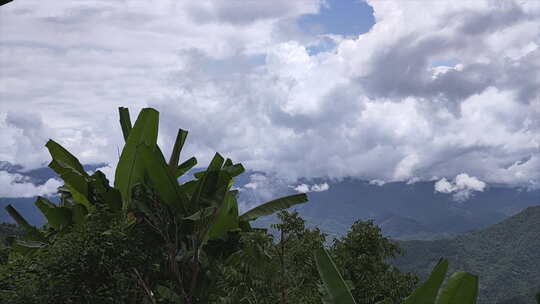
(435, 88)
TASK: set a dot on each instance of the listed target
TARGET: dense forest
(505, 255)
(151, 239)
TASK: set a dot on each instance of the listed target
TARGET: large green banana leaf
(125, 122)
(161, 178)
(337, 290)
(64, 158)
(71, 171)
(461, 288)
(31, 233)
(130, 168)
(177, 148)
(57, 217)
(207, 184)
(19, 219)
(273, 206)
(79, 213)
(185, 166)
(226, 219)
(427, 292)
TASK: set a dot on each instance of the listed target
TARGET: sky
(377, 90)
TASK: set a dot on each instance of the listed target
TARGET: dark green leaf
(273, 206)
(162, 180)
(79, 213)
(226, 219)
(427, 292)
(65, 159)
(19, 219)
(178, 144)
(31, 233)
(125, 121)
(185, 166)
(234, 170)
(57, 217)
(336, 288)
(208, 182)
(130, 168)
(462, 288)
(228, 163)
(71, 171)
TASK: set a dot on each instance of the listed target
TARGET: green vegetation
(461, 288)
(505, 256)
(374, 279)
(6, 230)
(150, 239)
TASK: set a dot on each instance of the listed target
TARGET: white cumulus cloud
(304, 188)
(462, 187)
(17, 185)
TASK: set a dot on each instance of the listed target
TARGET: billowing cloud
(462, 187)
(320, 187)
(435, 88)
(17, 185)
(305, 188)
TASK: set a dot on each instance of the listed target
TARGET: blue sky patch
(341, 17)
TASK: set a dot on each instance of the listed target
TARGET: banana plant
(142, 161)
(461, 287)
(78, 196)
(187, 216)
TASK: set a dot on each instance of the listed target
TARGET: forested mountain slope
(505, 255)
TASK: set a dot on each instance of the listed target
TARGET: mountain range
(404, 211)
(412, 211)
(506, 256)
